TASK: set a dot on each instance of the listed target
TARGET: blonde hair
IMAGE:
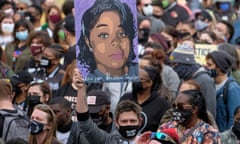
(51, 120)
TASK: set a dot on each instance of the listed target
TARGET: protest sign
(201, 50)
(106, 33)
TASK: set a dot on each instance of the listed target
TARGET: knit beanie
(183, 54)
(222, 60)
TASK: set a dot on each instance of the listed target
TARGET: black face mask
(33, 100)
(137, 87)
(212, 72)
(128, 132)
(182, 116)
(29, 16)
(98, 119)
(35, 127)
(45, 62)
(236, 129)
(143, 35)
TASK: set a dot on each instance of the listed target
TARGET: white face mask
(148, 10)
(9, 11)
(7, 27)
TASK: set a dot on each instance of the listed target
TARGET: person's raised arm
(81, 106)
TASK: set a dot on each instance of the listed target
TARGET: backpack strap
(8, 127)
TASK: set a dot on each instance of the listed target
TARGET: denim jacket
(225, 115)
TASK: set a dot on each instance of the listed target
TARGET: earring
(90, 49)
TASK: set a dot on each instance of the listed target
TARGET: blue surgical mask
(22, 35)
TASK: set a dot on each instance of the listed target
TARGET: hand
(144, 138)
(78, 79)
(81, 106)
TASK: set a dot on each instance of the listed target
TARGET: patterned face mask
(182, 115)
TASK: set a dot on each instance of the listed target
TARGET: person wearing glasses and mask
(190, 118)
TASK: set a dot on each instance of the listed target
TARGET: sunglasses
(182, 106)
(158, 135)
(162, 137)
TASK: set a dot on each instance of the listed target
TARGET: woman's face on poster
(109, 42)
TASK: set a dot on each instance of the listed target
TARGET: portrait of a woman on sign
(106, 39)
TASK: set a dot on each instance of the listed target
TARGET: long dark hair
(89, 20)
(196, 99)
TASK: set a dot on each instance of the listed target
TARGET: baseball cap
(69, 24)
(96, 99)
(21, 77)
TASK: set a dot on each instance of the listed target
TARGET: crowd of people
(176, 99)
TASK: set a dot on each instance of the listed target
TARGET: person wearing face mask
(127, 120)
(99, 109)
(68, 131)
(6, 30)
(232, 136)
(34, 14)
(7, 7)
(145, 94)
(17, 53)
(37, 41)
(144, 26)
(183, 62)
(225, 30)
(190, 118)
(42, 127)
(53, 16)
(51, 70)
(145, 8)
(20, 82)
(39, 92)
(223, 10)
(219, 65)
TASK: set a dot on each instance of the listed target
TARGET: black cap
(69, 24)
(21, 77)
(96, 99)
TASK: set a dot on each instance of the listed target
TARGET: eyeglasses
(182, 106)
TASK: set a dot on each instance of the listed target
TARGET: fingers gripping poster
(106, 34)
